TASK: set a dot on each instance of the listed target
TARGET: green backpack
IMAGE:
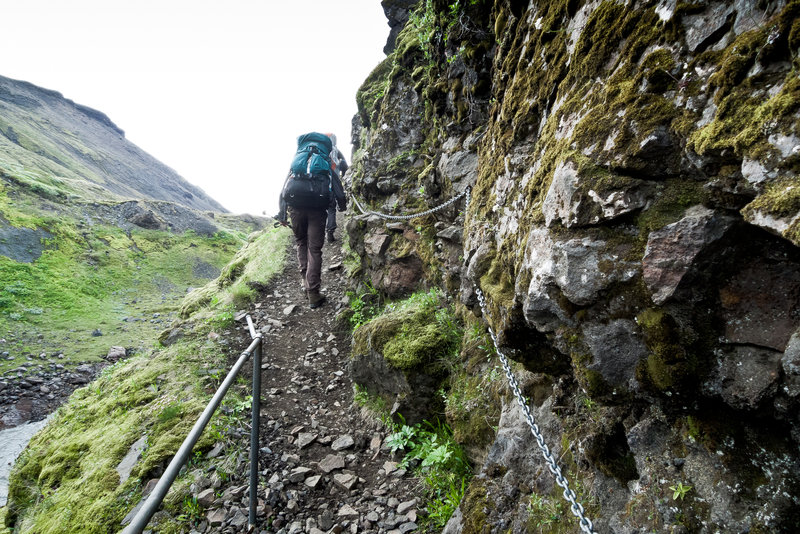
(309, 183)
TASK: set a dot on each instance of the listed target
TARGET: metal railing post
(254, 433)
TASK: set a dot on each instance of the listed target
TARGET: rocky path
(326, 467)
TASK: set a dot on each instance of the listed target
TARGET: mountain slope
(41, 131)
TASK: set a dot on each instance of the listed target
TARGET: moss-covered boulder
(404, 354)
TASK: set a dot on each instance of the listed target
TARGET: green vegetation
(253, 266)
(439, 461)
(66, 479)
(363, 306)
(96, 276)
(679, 491)
(415, 332)
(545, 515)
(473, 397)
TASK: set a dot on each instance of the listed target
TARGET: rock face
(634, 224)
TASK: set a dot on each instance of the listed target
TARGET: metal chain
(575, 507)
(413, 215)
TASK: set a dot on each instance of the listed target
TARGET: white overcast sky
(218, 90)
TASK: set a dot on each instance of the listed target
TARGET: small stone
(305, 439)
(116, 353)
(388, 466)
(373, 517)
(392, 502)
(298, 474)
(344, 442)
(404, 507)
(216, 450)
(312, 481)
(345, 481)
(216, 517)
(331, 463)
(407, 527)
(347, 512)
(289, 309)
(325, 520)
(206, 498)
(239, 519)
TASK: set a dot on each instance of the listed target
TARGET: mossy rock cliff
(633, 223)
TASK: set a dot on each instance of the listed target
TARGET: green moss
(415, 333)
(66, 479)
(474, 506)
(781, 199)
(672, 198)
(498, 284)
(472, 408)
(252, 267)
(667, 366)
(371, 93)
(96, 276)
(745, 114)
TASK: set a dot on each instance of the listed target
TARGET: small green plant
(192, 511)
(439, 461)
(543, 513)
(679, 491)
(364, 305)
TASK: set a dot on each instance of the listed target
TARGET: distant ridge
(41, 131)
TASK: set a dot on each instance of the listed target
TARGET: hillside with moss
(99, 245)
(98, 240)
(633, 222)
(68, 479)
(66, 150)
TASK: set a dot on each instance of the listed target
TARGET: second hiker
(308, 191)
(338, 168)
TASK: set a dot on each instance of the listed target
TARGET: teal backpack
(309, 183)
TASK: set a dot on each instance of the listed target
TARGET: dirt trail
(325, 465)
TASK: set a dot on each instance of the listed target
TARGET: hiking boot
(316, 299)
(331, 238)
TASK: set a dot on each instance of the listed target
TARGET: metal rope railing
(569, 495)
(466, 193)
(146, 512)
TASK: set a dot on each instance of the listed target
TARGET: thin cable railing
(150, 506)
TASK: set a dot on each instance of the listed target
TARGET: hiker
(339, 167)
(306, 196)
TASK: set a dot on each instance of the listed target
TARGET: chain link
(569, 495)
(413, 215)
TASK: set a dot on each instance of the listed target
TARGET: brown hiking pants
(308, 226)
